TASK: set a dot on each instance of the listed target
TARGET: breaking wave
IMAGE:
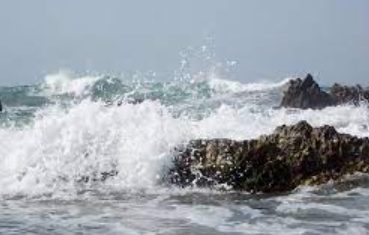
(67, 140)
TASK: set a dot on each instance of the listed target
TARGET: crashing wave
(65, 82)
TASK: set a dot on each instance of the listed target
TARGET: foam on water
(63, 145)
(88, 139)
(65, 82)
(50, 156)
(222, 85)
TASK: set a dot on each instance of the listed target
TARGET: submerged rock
(307, 94)
(128, 101)
(291, 156)
(132, 101)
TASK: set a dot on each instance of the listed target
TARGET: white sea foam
(65, 82)
(222, 85)
(136, 140)
(64, 144)
(89, 138)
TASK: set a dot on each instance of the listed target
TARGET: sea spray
(71, 139)
(64, 82)
(59, 138)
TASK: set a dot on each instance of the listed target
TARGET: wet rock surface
(345, 94)
(291, 156)
(307, 94)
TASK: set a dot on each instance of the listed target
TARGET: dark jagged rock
(1, 107)
(291, 156)
(306, 94)
(345, 94)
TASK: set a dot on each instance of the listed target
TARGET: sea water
(56, 133)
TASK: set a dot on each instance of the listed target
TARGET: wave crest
(64, 82)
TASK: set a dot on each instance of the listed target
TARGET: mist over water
(56, 133)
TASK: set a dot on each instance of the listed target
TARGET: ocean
(55, 133)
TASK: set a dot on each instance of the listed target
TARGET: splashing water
(56, 134)
(63, 83)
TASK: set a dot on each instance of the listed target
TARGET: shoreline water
(46, 132)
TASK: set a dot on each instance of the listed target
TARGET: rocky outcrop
(307, 94)
(345, 94)
(291, 156)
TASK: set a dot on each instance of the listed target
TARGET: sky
(269, 40)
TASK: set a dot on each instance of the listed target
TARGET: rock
(1, 106)
(291, 156)
(345, 94)
(98, 177)
(305, 93)
(132, 101)
(121, 102)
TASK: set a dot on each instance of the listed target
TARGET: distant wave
(223, 85)
(64, 82)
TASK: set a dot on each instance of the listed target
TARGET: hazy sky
(269, 39)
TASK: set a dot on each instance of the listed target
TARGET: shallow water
(57, 132)
(186, 212)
